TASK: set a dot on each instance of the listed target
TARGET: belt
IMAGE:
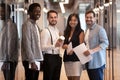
(51, 53)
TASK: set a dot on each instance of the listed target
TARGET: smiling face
(52, 18)
(90, 19)
(73, 22)
(36, 13)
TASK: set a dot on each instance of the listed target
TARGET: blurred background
(107, 13)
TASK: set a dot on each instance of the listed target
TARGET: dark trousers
(29, 73)
(52, 67)
(96, 74)
(9, 70)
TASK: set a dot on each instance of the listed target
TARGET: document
(79, 52)
(69, 47)
(1, 63)
(37, 63)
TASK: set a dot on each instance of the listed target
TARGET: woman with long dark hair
(74, 34)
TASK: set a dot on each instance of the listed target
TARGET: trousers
(52, 67)
(96, 74)
(29, 73)
(8, 69)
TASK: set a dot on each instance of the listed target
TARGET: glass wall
(117, 61)
(11, 19)
(12, 15)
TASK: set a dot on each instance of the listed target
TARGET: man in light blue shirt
(97, 42)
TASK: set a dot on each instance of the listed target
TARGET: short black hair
(5, 6)
(90, 11)
(51, 11)
(32, 6)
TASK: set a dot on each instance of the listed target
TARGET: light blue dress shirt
(97, 37)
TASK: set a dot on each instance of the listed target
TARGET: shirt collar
(34, 22)
(52, 27)
(93, 26)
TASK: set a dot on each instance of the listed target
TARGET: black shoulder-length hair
(68, 27)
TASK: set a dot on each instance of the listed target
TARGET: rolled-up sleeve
(103, 39)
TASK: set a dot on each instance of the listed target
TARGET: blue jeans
(96, 74)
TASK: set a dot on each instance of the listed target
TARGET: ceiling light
(106, 4)
(45, 10)
(110, 2)
(66, 2)
(96, 10)
(101, 7)
(118, 11)
(62, 7)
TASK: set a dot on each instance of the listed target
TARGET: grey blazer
(9, 42)
(30, 48)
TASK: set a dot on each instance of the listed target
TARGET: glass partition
(12, 15)
(8, 41)
(117, 60)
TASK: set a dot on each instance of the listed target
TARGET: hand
(70, 53)
(86, 53)
(65, 46)
(5, 66)
(59, 43)
(34, 66)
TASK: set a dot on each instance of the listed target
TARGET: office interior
(107, 13)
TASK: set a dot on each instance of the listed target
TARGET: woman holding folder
(74, 36)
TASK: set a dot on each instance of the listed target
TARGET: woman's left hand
(71, 52)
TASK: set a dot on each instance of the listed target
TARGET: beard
(53, 23)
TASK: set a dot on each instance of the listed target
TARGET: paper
(37, 63)
(1, 63)
(69, 47)
(79, 52)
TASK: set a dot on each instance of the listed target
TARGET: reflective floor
(20, 74)
(108, 71)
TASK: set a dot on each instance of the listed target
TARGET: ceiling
(73, 5)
